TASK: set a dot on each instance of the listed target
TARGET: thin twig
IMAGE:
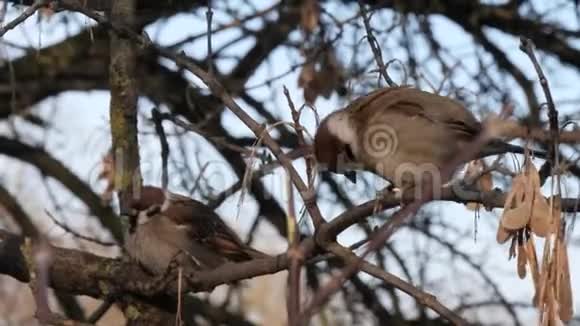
(295, 257)
(236, 22)
(40, 257)
(208, 16)
(158, 120)
(10, 204)
(76, 234)
(300, 135)
(217, 141)
(264, 170)
(376, 49)
(527, 46)
(422, 297)
(23, 16)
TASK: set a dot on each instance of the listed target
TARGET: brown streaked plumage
(420, 132)
(184, 227)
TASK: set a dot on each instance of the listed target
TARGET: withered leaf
(306, 74)
(533, 261)
(309, 15)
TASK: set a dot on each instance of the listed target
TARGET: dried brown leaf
(309, 15)
(330, 74)
(306, 75)
(312, 91)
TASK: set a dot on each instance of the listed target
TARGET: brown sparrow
(168, 226)
(401, 133)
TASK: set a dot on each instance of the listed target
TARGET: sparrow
(165, 226)
(403, 134)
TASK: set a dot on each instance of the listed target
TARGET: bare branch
(23, 16)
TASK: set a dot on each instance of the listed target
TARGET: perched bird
(401, 133)
(178, 227)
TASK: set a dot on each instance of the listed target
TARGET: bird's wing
(207, 228)
(415, 103)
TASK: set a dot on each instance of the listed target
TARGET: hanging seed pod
(517, 218)
(503, 234)
(513, 246)
(533, 261)
(541, 219)
(522, 260)
(565, 301)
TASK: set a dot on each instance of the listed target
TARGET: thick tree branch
(123, 107)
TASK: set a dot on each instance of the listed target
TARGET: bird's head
(335, 143)
(147, 197)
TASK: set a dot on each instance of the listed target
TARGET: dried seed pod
(564, 290)
(533, 261)
(533, 176)
(541, 219)
(503, 235)
(514, 200)
(516, 218)
(517, 194)
(513, 248)
(552, 305)
(522, 261)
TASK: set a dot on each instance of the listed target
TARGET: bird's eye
(349, 153)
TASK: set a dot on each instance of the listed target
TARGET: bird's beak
(345, 167)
